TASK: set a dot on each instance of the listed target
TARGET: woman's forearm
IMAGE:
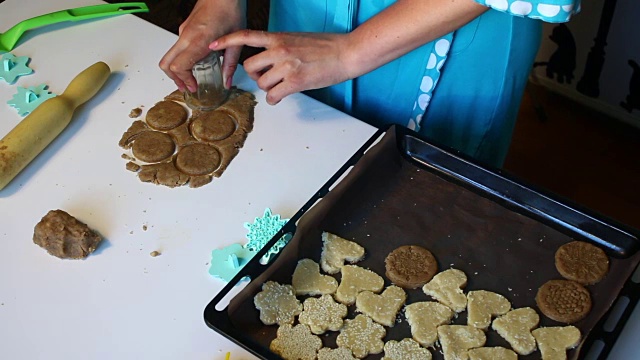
(402, 27)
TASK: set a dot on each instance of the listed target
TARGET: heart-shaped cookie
(446, 287)
(555, 341)
(457, 340)
(424, 318)
(382, 308)
(307, 280)
(492, 353)
(515, 327)
(336, 250)
(482, 305)
(355, 280)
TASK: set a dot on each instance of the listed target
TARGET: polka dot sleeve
(553, 11)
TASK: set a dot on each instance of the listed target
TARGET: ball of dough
(64, 236)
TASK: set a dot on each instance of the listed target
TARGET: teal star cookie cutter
(28, 99)
(228, 261)
(12, 67)
(264, 229)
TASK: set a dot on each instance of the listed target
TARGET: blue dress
(462, 90)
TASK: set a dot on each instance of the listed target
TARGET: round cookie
(410, 266)
(166, 115)
(198, 159)
(153, 146)
(564, 301)
(582, 262)
(213, 126)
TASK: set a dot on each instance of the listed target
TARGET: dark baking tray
(406, 190)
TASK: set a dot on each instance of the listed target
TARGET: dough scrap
(336, 250)
(457, 340)
(277, 304)
(582, 262)
(196, 158)
(482, 305)
(446, 287)
(131, 166)
(424, 318)
(355, 280)
(322, 314)
(382, 308)
(307, 280)
(554, 342)
(406, 349)
(296, 343)
(162, 174)
(335, 354)
(410, 266)
(492, 353)
(564, 300)
(64, 236)
(515, 327)
(362, 336)
(137, 127)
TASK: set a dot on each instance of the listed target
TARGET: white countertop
(120, 302)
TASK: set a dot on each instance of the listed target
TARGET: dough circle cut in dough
(166, 115)
(153, 146)
(198, 159)
(213, 126)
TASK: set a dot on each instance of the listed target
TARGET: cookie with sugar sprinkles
(515, 327)
(335, 354)
(406, 349)
(296, 343)
(277, 304)
(322, 314)
(554, 342)
(307, 279)
(336, 251)
(362, 336)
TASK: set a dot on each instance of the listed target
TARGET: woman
(454, 70)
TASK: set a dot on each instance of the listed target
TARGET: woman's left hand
(292, 62)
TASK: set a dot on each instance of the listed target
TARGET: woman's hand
(208, 20)
(292, 62)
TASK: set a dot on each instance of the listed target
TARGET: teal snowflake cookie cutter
(264, 229)
(12, 67)
(228, 261)
(28, 99)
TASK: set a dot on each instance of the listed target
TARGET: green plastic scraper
(9, 39)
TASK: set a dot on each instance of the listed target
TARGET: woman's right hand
(208, 20)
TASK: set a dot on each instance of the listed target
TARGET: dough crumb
(131, 166)
(135, 113)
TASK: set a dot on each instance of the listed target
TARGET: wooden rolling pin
(47, 121)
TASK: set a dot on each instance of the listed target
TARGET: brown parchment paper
(387, 201)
